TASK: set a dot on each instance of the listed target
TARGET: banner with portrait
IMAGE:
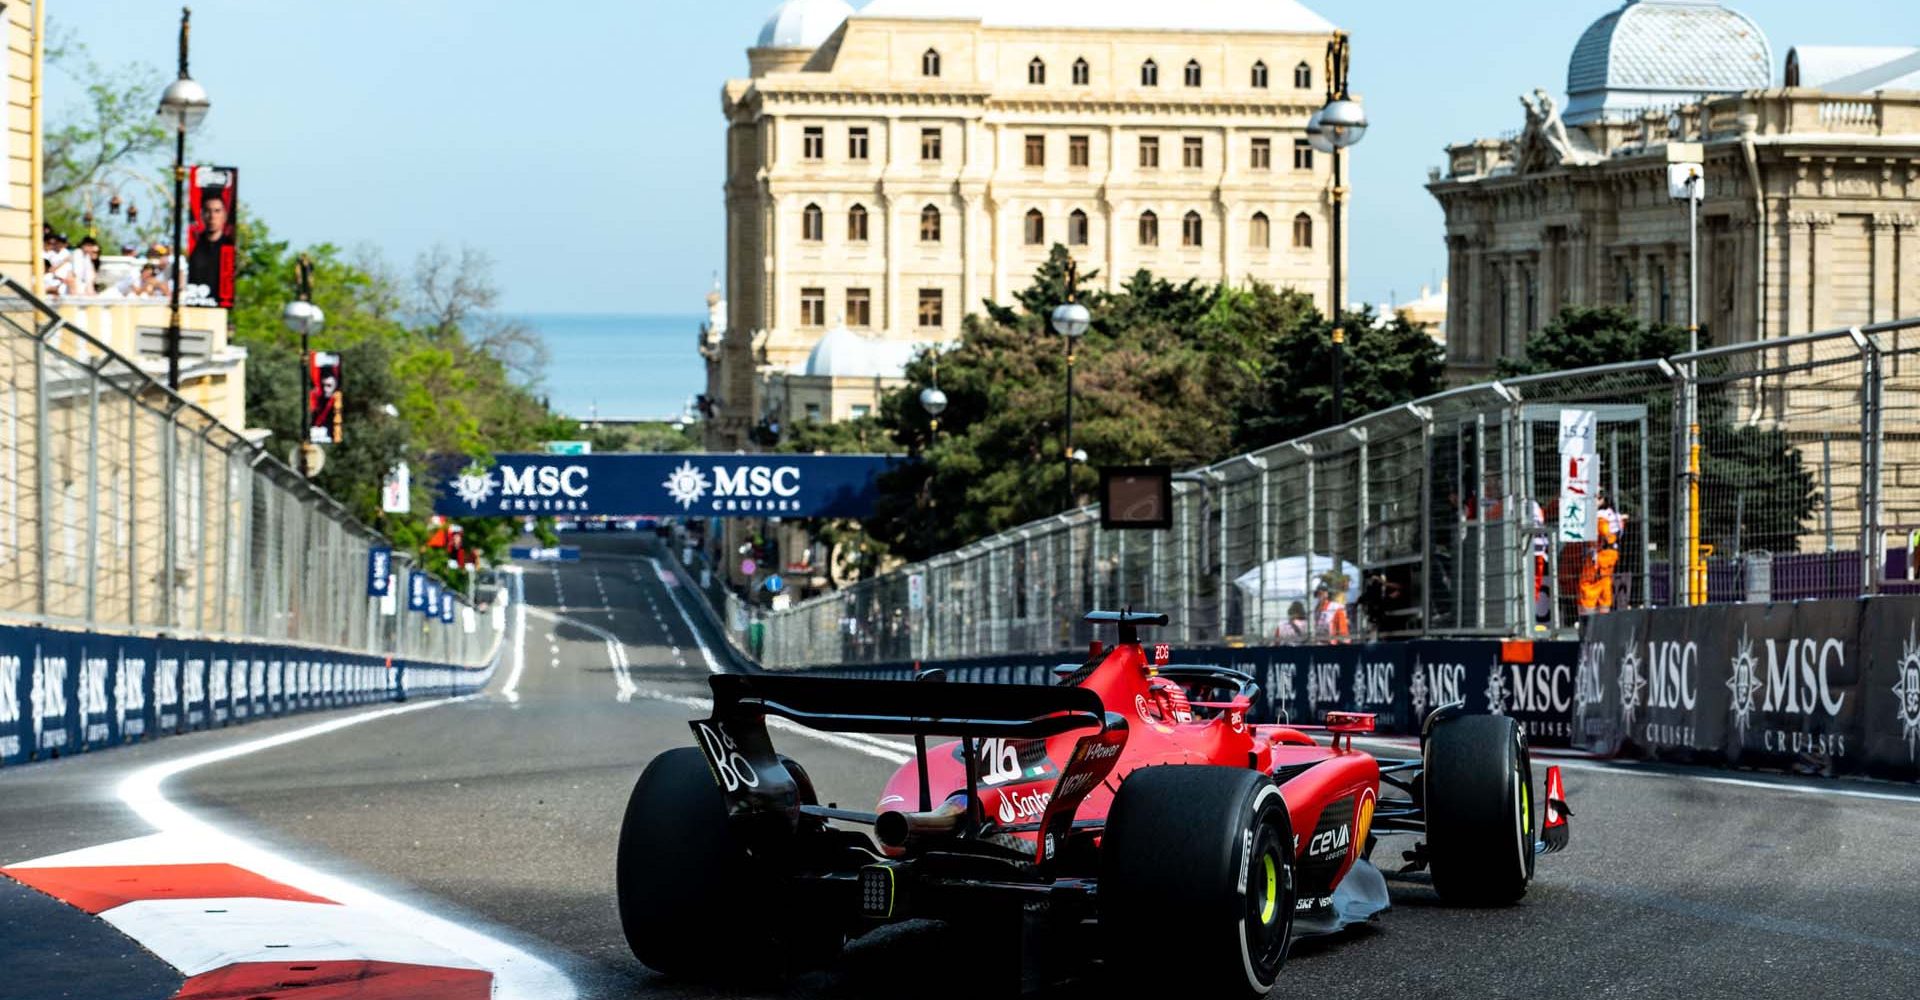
(324, 401)
(213, 208)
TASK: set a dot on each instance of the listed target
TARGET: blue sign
(446, 605)
(379, 570)
(431, 606)
(416, 591)
(550, 553)
(774, 584)
(681, 485)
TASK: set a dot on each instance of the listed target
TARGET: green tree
(1388, 361)
(103, 147)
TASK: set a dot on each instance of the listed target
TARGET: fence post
(1313, 618)
(43, 463)
(169, 462)
(1679, 564)
(93, 492)
(1872, 437)
(1426, 517)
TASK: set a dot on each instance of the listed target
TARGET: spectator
(1378, 597)
(59, 265)
(1295, 628)
(86, 268)
(144, 283)
(1329, 613)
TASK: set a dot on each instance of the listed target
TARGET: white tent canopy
(1291, 578)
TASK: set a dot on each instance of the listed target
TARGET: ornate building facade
(1811, 218)
(888, 170)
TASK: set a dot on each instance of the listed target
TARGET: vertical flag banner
(417, 591)
(446, 606)
(214, 208)
(379, 570)
(1578, 474)
(323, 397)
(432, 606)
(396, 492)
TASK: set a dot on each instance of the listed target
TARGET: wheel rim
(1522, 815)
(1269, 894)
(1271, 899)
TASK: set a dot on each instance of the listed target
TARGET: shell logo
(1365, 825)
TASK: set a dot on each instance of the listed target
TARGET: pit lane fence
(1430, 515)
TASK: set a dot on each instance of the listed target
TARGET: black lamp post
(1070, 319)
(183, 104)
(303, 317)
(1333, 128)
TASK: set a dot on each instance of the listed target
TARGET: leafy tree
(1388, 361)
(1585, 336)
(103, 146)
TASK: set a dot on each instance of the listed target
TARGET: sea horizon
(616, 365)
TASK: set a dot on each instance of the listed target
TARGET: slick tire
(681, 875)
(1479, 800)
(1198, 861)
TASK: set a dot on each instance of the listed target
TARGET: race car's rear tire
(681, 875)
(1479, 801)
(1196, 868)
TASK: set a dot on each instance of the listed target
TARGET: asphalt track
(501, 813)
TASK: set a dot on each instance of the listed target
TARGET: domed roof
(843, 353)
(802, 24)
(1661, 53)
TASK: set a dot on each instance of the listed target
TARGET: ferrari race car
(1129, 803)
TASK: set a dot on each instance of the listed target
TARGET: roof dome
(802, 24)
(845, 354)
(1663, 53)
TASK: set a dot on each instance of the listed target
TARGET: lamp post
(304, 318)
(183, 104)
(934, 402)
(1337, 125)
(1070, 320)
(1685, 180)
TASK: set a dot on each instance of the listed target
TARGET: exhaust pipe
(899, 829)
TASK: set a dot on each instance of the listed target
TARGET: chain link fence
(126, 508)
(1441, 517)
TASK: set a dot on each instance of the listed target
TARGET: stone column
(1795, 239)
(1886, 281)
(1579, 267)
(1547, 279)
(1907, 272)
(1820, 275)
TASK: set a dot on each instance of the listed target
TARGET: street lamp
(1070, 320)
(183, 104)
(934, 402)
(304, 318)
(1337, 125)
(1685, 162)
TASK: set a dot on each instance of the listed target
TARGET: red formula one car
(1129, 802)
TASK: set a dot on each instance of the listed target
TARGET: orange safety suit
(1596, 579)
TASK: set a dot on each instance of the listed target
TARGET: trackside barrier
(1400, 682)
(63, 692)
(1829, 687)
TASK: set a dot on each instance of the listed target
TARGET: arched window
(1193, 72)
(1302, 231)
(1077, 228)
(813, 225)
(1081, 73)
(1036, 71)
(930, 63)
(1190, 230)
(857, 224)
(1149, 229)
(1259, 232)
(1149, 74)
(1260, 75)
(929, 225)
(1303, 76)
(1036, 227)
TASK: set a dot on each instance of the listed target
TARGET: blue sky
(580, 143)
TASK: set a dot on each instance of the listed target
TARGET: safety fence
(64, 691)
(125, 508)
(1443, 517)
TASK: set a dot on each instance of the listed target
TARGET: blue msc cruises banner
(683, 484)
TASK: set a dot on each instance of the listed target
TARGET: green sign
(569, 447)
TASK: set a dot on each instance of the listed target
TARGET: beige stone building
(890, 169)
(1809, 220)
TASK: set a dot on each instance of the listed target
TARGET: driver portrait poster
(213, 209)
(323, 398)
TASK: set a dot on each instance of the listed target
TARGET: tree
(100, 148)
(1586, 336)
(1388, 361)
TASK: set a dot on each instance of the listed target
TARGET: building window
(1077, 228)
(1036, 151)
(1262, 154)
(1193, 72)
(1260, 75)
(1082, 74)
(813, 307)
(932, 311)
(813, 143)
(930, 63)
(859, 307)
(813, 225)
(1259, 232)
(1302, 231)
(1036, 227)
(1190, 230)
(1079, 151)
(860, 410)
(1303, 76)
(856, 144)
(1149, 74)
(930, 144)
(857, 224)
(1149, 229)
(1663, 296)
(1626, 283)
(813, 412)
(1302, 155)
(1149, 151)
(930, 225)
(1532, 299)
(1036, 72)
(1192, 154)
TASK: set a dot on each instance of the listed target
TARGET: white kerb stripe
(201, 935)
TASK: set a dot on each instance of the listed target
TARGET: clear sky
(579, 142)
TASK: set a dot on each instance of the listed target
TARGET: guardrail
(1429, 511)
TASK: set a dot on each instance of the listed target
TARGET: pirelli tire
(1480, 815)
(680, 876)
(1199, 861)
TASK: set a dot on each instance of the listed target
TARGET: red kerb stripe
(98, 889)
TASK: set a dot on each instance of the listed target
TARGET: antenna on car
(1129, 621)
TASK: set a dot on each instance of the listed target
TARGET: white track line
(673, 593)
(512, 688)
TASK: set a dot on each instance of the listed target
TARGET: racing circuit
(486, 828)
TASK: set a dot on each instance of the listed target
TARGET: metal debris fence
(126, 508)
(1427, 515)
